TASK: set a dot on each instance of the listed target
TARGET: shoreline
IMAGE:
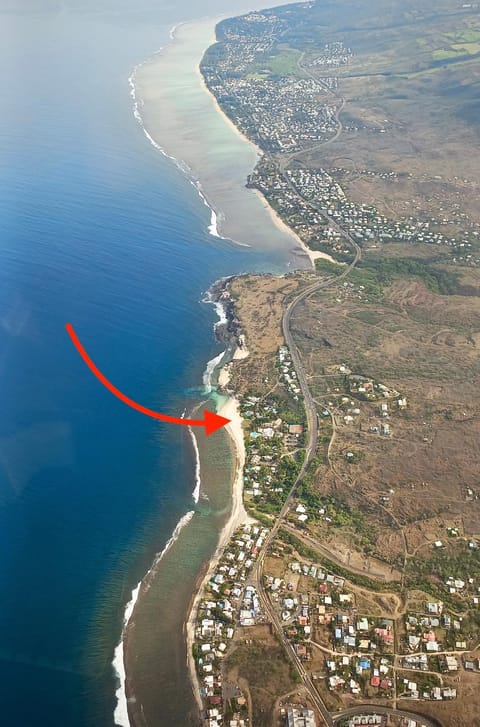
(276, 219)
(230, 409)
(238, 516)
(215, 156)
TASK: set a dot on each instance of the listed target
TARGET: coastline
(238, 516)
(168, 91)
(215, 103)
(276, 219)
(274, 216)
(230, 409)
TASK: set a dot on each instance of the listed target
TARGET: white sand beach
(183, 119)
(238, 516)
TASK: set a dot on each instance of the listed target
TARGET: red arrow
(210, 421)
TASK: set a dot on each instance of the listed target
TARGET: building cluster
(368, 389)
(409, 689)
(287, 372)
(284, 108)
(244, 40)
(264, 447)
(227, 601)
(299, 716)
(359, 675)
(456, 215)
(361, 659)
(299, 213)
(334, 55)
(364, 222)
(281, 112)
(282, 115)
(431, 633)
(347, 404)
(369, 719)
(268, 473)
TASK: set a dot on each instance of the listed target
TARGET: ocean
(98, 229)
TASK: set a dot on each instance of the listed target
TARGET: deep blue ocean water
(96, 229)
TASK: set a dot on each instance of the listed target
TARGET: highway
(330, 720)
(312, 428)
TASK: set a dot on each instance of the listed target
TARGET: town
(366, 636)
(412, 655)
(287, 104)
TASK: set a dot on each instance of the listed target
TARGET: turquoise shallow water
(98, 229)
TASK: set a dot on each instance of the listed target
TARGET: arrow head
(212, 422)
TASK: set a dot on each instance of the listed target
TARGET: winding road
(329, 719)
(257, 578)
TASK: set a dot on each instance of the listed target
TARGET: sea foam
(208, 373)
(215, 218)
(121, 710)
(198, 479)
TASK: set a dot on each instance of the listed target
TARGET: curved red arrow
(210, 421)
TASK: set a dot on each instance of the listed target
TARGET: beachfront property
(227, 601)
(288, 107)
(281, 114)
(315, 205)
(272, 441)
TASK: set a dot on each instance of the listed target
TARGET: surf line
(210, 421)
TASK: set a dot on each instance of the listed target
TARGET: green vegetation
(341, 257)
(282, 63)
(443, 54)
(315, 557)
(325, 266)
(376, 273)
(458, 561)
(285, 476)
(339, 513)
(458, 44)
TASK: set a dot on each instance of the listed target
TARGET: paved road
(421, 720)
(257, 577)
(311, 446)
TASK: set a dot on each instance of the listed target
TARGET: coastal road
(312, 428)
(330, 720)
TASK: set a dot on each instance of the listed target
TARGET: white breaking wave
(207, 374)
(137, 105)
(215, 218)
(221, 313)
(213, 228)
(120, 714)
(121, 710)
(174, 29)
(198, 479)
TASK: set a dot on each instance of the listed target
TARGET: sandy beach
(277, 220)
(274, 216)
(238, 516)
(183, 119)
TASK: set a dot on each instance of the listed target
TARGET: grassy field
(281, 63)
